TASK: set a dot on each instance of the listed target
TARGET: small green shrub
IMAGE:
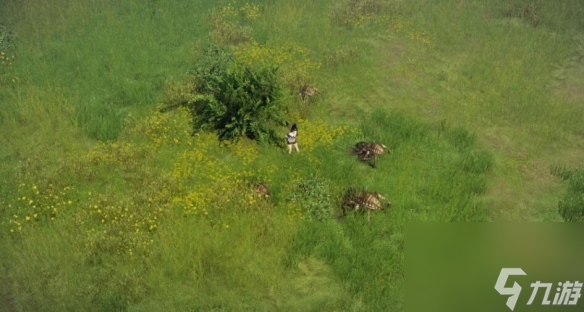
(314, 197)
(214, 62)
(7, 39)
(233, 100)
(571, 207)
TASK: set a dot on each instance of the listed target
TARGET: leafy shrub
(571, 207)
(232, 99)
(213, 63)
(7, 39)
(243, 103)
(314, 196)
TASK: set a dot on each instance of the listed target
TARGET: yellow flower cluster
(294, 212)
(226, 25)
(248, 11)
(245, 150)
(169, 128)
(200, 161)
(111, 153)
(143, 217)
(124, 223)
(32, 204)
(228, 10)
(218, 199)
(215, 179)
(196, 176)
(134, 214)
(283, 54)
(400, 26)
(318, 133)
(419, 36)
(358, 20)
(292, 59)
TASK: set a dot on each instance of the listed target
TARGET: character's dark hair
(294, 128)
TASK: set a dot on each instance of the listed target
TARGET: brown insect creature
(261, 189)
(361, 199)
(368, 151)
(307, 91)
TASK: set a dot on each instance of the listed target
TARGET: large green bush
(234, 100)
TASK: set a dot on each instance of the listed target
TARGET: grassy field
(106, 204)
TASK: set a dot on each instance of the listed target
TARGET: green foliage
(461, 138)
(214, 63)
(394, 128)
(477, 162)
(7, 57)
(235, 101)
(7, 39)
(571, 207)
(100, 121)
(315, 198)
(477, 71)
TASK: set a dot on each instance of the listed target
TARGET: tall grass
(108, 58)
(470, 97)
(159, 213)
(472, 65)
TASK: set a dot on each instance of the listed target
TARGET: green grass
(237, 257)
(476, 100)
